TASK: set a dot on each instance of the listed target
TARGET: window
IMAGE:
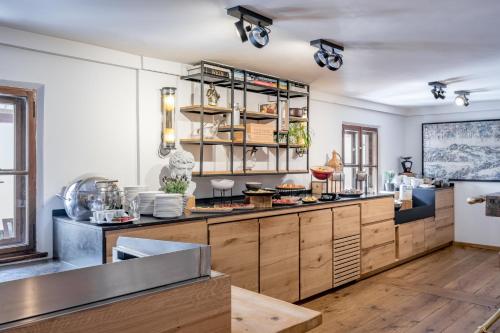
(17, 171)
(360, 153)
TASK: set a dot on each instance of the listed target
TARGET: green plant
(298, 133)
(175, 185)
(389, 176)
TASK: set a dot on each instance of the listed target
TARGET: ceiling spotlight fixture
(438, 89)
(257, 29)
(462, 99)
(328, 54)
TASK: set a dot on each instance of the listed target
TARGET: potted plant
(298, 134)
(389, 180)
(177, 184)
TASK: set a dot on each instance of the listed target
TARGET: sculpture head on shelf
(181, 163)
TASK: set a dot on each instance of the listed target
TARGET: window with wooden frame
(360, 153)
(17, 171)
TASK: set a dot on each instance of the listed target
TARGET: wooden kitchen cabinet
(377, 210)
(377, 257)
(430, 233)
(444, 198)
(444, 217)
(346, 244)
(410, 239)
(346, 221)
(235, 252)
(377, 234)
(279, 257)
(190, 232)
(316, 265)
(378, 245)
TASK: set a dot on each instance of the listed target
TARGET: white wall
(103, 118)
(89, 123)
(471, 225)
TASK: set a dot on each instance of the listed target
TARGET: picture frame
(462, 150)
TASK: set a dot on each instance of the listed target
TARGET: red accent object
(322, 174)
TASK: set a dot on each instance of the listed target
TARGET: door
(279, 257)
(315, 252)
(235, 251)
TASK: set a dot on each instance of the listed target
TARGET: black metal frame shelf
(206, 76)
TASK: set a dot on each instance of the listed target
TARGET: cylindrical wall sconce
(168, 116)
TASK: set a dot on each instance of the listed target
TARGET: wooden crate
(257, 133)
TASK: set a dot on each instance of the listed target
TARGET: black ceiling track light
(257, 29)
(462, 99)
(328, 54)
(438, 89)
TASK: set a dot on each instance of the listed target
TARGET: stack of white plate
(168, 205)
(147, 202)
(131, 192)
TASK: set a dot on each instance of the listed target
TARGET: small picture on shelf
(269, 108)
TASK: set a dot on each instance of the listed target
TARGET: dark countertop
(151, 220)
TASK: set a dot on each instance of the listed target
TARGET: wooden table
(252, 312)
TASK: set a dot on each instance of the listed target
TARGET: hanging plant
(298, 134)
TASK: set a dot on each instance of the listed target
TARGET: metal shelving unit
(233, 83)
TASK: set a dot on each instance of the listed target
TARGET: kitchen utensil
(322, 172)
(350, 194)
(297, 112)
(253, 185)
(328, 197)
(260, 193)
(222, 184)
(211, 209)
(146, 202)
(80, 195)
(168, 205)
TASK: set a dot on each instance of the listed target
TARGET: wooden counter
(252, 312)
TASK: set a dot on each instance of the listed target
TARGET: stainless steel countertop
(42, 295)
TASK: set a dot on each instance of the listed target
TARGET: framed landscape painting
(463, 150)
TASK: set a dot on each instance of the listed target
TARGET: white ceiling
(393, 47)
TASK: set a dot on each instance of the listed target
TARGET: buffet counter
(289, 253)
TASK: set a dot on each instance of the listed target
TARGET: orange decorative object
(336, 162)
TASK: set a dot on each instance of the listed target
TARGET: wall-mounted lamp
(167, 123)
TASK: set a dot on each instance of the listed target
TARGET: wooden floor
(451, 290)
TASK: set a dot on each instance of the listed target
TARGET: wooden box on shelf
(257, 133)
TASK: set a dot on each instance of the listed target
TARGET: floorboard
(452, 290)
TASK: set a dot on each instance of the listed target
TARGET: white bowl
(222, 184)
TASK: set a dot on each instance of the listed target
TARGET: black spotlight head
(441, 93)
(438, 89)
(435, 93)
(240, 28)
(321, 57)
(259, 37)
(334, 61)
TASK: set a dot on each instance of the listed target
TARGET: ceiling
(392, 48)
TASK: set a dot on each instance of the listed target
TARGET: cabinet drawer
(235, 251)
(377, 234)
(444, 217)
(444, 234)
(444, 198)
(377, 210)
(377, 257)
(346, 221)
